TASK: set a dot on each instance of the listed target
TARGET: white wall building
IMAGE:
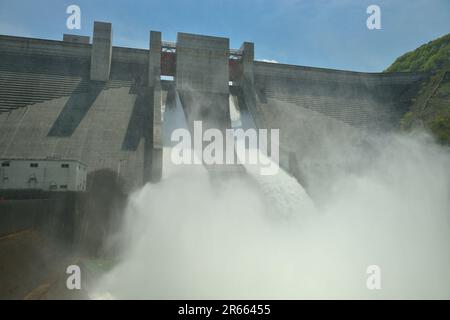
(43, 174)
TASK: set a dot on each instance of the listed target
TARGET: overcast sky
(318, 33)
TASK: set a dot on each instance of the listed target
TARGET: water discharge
(191, 237)
(198, 236)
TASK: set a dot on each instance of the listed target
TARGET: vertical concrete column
(202, 63)
(247, 83)
(101, 51)
(154, 65)
(154, 82)
(248, 55)
(248, 87)
(202, 79)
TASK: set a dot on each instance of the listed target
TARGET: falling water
(262, 237)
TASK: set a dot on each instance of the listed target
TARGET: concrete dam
(105, 108)
(101, 104)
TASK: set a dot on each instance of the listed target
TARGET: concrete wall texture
(101, 51)
(202, 63)
(202, 79)
(53, 215)
(54, 109)
(366, 100)
(102, 104)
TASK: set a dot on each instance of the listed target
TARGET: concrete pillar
(202, 79)
(157, 151)
(202, 63)
(154, 83)
(101, 51)
(154, 65)
(247, 83)
(248, 87)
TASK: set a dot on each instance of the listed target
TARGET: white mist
(252, 237)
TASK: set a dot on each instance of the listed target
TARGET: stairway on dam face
(19, 89)
(362, 112)
(29, 79)
(363, 100)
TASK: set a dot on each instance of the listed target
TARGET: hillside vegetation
(431, 106)
(428, 57)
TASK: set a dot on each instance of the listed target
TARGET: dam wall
(315, 108)
(54, 104)
(364, 100)
(52, 214)
(50, 106)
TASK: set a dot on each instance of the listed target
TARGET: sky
(317, 33)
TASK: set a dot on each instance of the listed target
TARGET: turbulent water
(250, 236)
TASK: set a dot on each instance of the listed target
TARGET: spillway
(262, 237)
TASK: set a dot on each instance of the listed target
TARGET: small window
(63, 186)
(5, 164)
(65, 165)
(167, 78)
(34, 165)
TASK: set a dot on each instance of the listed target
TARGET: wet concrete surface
(34, 267)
